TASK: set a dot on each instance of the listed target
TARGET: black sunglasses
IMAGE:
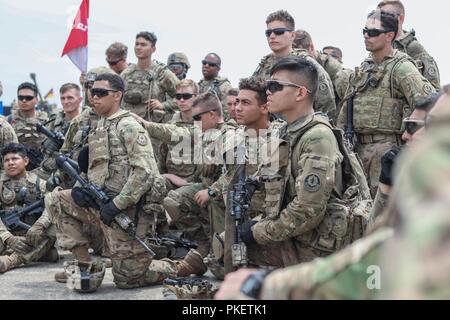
(209, 63)
(26, 98)
(184, 96)
(374, 32)
(412, 126)
(100, 92)
(198, 117)
(277, 31)
(113, 63)
(278, 85)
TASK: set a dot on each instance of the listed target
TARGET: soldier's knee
(172, 204)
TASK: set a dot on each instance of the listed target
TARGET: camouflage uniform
(9, 189)
(325, 100)
(323, 204)
(7, 133)
(158, 82)
(121, 162)
(384, 94)
(220, 86)
(57, 123)
(426, 64)
(413, 262)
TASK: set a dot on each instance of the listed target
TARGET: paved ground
(36, 282)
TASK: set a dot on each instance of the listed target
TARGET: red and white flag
(76, 46)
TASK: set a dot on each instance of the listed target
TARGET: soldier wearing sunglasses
(116, 57)
(280, 36)
(383, 91)
(24, 122)
(407, 43)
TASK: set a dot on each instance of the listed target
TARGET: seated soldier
(21, 188)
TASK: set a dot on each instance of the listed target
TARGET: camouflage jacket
(425, 62)
(157, 82)
(7, 133)
(9, 188)
(121, 159)
(220, 86)
(26, 130)
(325, 99)
(384, 94)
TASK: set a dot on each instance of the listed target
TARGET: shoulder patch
(312, 183)
(142, 140)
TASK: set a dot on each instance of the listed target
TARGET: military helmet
(178, 57)
(94, 72)
(84, 277)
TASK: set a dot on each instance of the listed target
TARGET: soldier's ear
(26, 160)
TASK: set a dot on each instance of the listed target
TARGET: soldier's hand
(51, 146)
(230, 289)
(108, 212)
(35, 234)
(83, 199)
(247, 233)
(177, 181)
(18, 245)
(202, 197)
(154, 104)
(387, 163)
(140, 120)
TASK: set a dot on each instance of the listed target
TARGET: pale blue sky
(33, 33)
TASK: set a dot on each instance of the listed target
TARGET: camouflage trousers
(14, 259)
(197, 223)
(370, 155)
(130, 261)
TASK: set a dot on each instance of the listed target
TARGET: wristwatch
(253, 284)
(212, 193)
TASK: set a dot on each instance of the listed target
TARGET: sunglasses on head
(209, 63)
(184, 96)
(198, 117)
(277, 31)
(113, 63)
(412, 126)
(26, 98)
(101, 92)
(374, 32)
(278, 85)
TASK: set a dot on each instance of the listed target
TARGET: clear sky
(33, 33)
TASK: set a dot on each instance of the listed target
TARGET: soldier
(148, 83)
(280, 36)
(413, 264)
(335, 52)
(116, 57)
(383, 91)
(21, 188)
(211, 80)
(230, 101)
(7, 133)
(187, 91)
(306, 213)
(179, 64)
(24, 122)
(338, 74)
(59, 123)
(128, 173)
(406, 42)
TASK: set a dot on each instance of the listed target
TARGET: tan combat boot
(9, 262)
(79, 253)
(191, 264)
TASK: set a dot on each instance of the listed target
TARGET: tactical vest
(58, 123)
(376, 109)
(109, 166)
(26, 130)
(212, 85)
(348, 209)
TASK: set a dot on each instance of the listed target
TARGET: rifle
(11, 218)
(349, 129)
(36, 157)
(240, 198)
(100, 197)
(56, 137)
(177, 247)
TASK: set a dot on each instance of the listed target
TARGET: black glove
(18, 245)
(83, 199)
(107, 213)
(246, 232)
(83, 159)
(387, 162)
(51, 146)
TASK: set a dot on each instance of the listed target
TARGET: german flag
(49, 95)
